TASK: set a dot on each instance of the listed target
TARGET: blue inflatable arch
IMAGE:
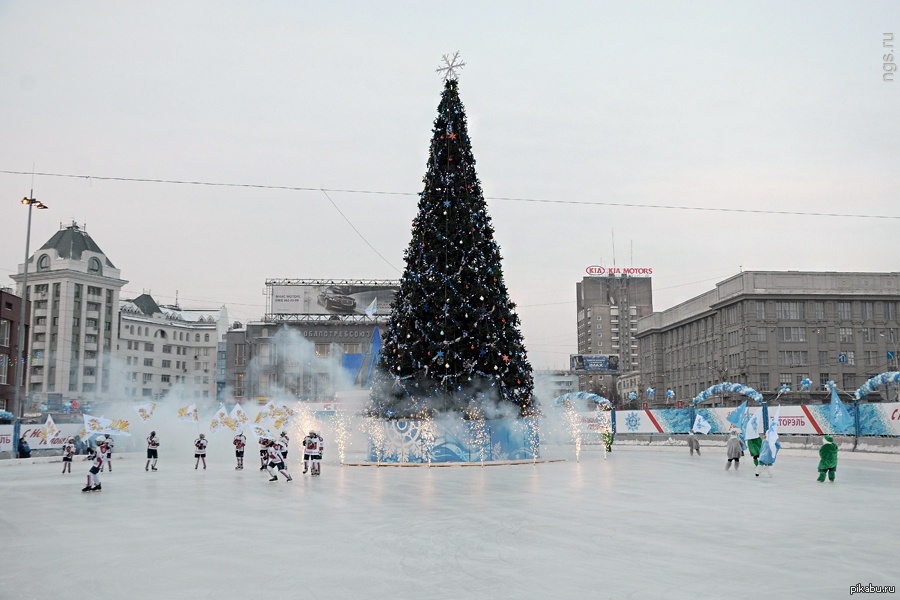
(724, 388)
(876, 382)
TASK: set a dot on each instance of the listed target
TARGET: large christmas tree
(453, 343)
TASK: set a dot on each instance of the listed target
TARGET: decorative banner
(49, 430)
(188, 413)
(221, 420)
(266, 413)
(95, 426)
(119, 427)
(238, 415)
(145, 411)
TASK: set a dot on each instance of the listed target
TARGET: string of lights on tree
(453, 342)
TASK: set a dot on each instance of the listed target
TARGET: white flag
(372, 308)
(701, 425)
(772, 436)
(752, 430)
(188, 413)
(221, 420)
(145, 411)
(262, 432)
(239, 416)
(49, 430)
(267, 412)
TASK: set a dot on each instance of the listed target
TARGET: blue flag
(737, 417)
(837, 413)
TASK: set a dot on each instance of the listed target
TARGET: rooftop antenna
(614, 246)
(176, 298)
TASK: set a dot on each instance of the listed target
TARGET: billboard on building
(594, 363)
(338, 297)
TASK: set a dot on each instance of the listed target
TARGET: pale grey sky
(762, 105)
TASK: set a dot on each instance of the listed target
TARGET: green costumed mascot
(827, 458)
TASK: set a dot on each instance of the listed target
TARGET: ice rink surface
(646, 523)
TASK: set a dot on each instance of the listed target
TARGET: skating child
(239, 443)
(693, 443)
(766, 456)
(276, 461)
(93, 478)
(285, 440)
(827, 459)
(68, 452)
(754, 445)
(734, 450)
(200, 450)
(109, 450)
(152, 451)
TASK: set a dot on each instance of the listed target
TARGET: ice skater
(240, 441)
(693, 443)
(734, 450)
(109, 450)
(827, 459)
(754, 445)
(766, 456)
(314, 448)
(285, 440)
(152, 451)
(68, 452)
(263, 454)
(93, 478)
(200, 450)
(276, 460)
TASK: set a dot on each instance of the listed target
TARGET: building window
(167, 364)
(890, 311)
(148, 347)
(849, 381)
(821, 335)
(849, 357)
(94, 266)
(760, 310)
(789, 311)
(843, 311)
(148, 362)
(868, 311)
(4, 364)
(323, 349)
(240, 355)
(734, 338)
(868, 334)
(196, 337)
(871, 357)
(764, 358)
(785, 379)
(820, 310)
(763, 381)
(239, 384)
(167, 349)
(823, 358)
(146, 392)
(824, 378)
(761, 335)
(148, 377)
(732, 315)
(205, 337)
(793, 358)
(165, 378)
(4, 332)
(846, 334)
(792, 334)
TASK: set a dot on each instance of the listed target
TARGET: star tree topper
(451, 66)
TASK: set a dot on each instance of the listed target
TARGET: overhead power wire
(757, 211)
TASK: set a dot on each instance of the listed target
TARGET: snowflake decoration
(451, 66)
(632, 421)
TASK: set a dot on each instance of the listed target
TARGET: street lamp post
(18, 404)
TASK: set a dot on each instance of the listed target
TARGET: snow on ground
(643, 524)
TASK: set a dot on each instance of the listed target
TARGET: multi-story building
(10, 309)
(74, 293)
(769, 328)
(165, 349)
(608, 311)
(550, 384)
(306, 360)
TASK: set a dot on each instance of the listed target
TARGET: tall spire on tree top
(453, 343)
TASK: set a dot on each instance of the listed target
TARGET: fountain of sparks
(573, 424)
(341, 432)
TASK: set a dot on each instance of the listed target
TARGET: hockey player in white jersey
(93, 478)
(240, 442)
(313, 449)
(152, 451)
(276, 460)
(200, 450)
(68, 454)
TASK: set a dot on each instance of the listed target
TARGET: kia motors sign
(597, 270)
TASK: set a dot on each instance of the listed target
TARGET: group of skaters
(765, 450)
(273, 455)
